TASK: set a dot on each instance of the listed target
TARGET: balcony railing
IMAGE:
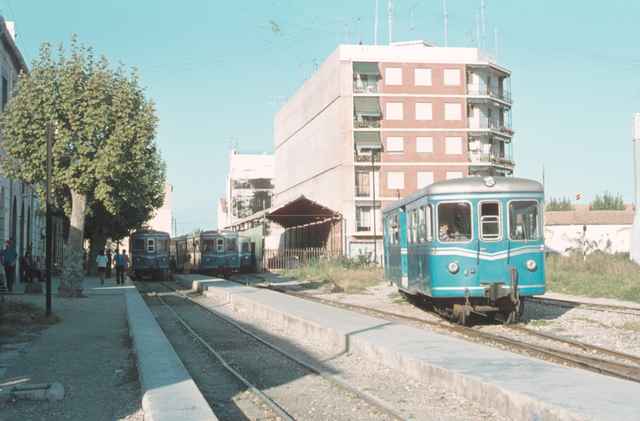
(476, 158)
(366, 157)
(501, 94)
(365, 87)
(490, 124)
(366, 124)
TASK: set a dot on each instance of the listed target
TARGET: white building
(248, 187)
(163, 217)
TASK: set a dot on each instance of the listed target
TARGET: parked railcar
(214, 252)
(149, 255)
(472, 245)
(247, 255)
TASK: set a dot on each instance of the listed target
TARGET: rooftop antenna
(375, 25)
(445, 15)
(390, 16)
(483, 26)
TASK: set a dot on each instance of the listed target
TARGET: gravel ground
(89, 352)
(414, 399)
(304, 395)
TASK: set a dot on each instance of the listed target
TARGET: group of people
(105, 262)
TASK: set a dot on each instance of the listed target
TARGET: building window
(452, 77)
(422, 77)
(424, 179)
(395, 144)
(393, 76)
(454, 174)
(363, 218)
(454, 222)
(5, 92)
(395, 180)
(395, 111)
(452, 111)
(424, 111)
(424, 144)
(453, 146)
(363, 184)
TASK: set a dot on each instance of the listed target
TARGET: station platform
(517, 386)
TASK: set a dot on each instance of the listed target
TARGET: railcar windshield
(232, 244)
(454, 222)
(138, 244)
(151, 245)
(220, 245)
(208, 246)
(490, 221)
(524, 218)
(245, 247)
(162, 245)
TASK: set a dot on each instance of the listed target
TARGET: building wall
(608, 238)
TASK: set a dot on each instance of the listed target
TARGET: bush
(607, 201)
(562, 204)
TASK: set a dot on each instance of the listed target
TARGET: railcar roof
(471, 185)
(150, 232)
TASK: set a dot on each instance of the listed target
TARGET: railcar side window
(393, 229)
(220, 245)
(428, 220)
(420, 228)
(490, 221)
(454, 222)
(524, 220)
(151, 245)
(413, 226)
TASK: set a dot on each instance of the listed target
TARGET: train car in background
(471, 245)
(208, 252)
(247, 255)
(149, 255)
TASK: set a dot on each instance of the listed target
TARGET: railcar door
(492, 252)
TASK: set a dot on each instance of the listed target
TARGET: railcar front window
(151, 245)
(490, 221)
(524, 219)
(245, 247)
(454, 222)
(232, 244)
(208, 246)
(138, 244)
(220, 245)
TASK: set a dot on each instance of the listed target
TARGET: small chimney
(11, 28)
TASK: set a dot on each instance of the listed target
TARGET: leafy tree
(105, 163)
(607, 201)
(561, 204)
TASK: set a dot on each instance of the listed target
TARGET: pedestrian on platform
(120, 267)
(101, 262)
(9, 258)
(109, 264)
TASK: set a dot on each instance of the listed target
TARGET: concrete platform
(519, 387)
(169, 392)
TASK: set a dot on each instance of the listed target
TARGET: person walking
(101, 262)
(9, 258)
(109, 264)
(120, 267)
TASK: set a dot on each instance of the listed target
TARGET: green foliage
(559, 204)
(104, 131)
(597, 275)
(607, 201)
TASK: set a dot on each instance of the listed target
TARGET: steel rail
(597, 365)
(634, 311)
(273, 405)
(337, 380)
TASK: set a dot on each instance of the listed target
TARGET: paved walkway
(89, 352)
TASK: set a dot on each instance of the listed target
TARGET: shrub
(561, 204)
(607, 201)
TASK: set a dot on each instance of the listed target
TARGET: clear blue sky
(217, 72)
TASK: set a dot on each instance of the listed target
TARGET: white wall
(610, 238)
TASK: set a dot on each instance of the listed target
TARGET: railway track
(634, 311)
(278, 405)
(630, 370)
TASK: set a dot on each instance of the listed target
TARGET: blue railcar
(209, 252)
(471, 245)
(149, 255)
(246, 251)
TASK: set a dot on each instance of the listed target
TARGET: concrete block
(169, 392)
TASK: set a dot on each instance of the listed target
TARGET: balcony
(366, 123)
(366, 157)
(486, 91)
(489, 158)
(360, 87)
(493, 125)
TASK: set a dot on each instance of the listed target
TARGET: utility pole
(373, 208)
(49, 248)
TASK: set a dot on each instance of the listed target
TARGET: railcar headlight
(532, 265)
(453, 267)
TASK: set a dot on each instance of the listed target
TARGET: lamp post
(373, 207)
(48, 219)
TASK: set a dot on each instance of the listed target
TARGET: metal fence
(293, 258)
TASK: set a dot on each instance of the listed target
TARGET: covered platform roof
(300, 211)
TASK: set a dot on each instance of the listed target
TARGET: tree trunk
(98, 241)
(73, 271)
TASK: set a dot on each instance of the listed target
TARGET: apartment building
(248, 187)
(385, 121)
